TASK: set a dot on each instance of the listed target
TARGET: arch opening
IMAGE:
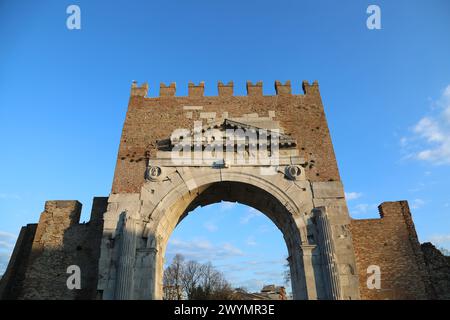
(242, 246)
(291, 226)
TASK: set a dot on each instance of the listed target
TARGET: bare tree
(193, 272)
(287, 273)
(172, 280)
(213, 285)
(194, 281)
(210, 278)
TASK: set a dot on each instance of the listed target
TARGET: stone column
(330, 268)
(145, 276)
(307, 251)
(298, 280)
(125, 270)
(159, 274)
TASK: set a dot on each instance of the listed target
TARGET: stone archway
(294, 232)
(271, 152)
(137, 228)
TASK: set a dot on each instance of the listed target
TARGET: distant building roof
(268, 292)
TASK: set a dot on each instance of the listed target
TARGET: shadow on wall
(438, 267)
(44, 251)
(391, 243)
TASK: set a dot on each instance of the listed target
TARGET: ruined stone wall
(391, 243)
(59, 241)
(438, 267)
(12, 281)
(151, 119)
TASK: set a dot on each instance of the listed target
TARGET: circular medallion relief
(293, 172)
(154, 173)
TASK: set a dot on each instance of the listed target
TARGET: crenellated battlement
(168, 91)
(225, 89)
(254, 89)
(139, 91)
(196, 90)
(310, 88)
(283, 89)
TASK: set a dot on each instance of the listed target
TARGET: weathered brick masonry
(151, 119)
(37, 269)
(391, 243)
(438, 267)
(38, 266)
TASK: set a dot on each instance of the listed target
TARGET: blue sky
(64, 93)
(240, 241)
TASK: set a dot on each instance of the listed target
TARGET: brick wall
(12, 280)
(391, 243)
(151, 119)
(59, 240)
(438, 267)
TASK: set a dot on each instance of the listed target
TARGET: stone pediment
(217, 132)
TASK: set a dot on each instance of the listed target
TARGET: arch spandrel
(181, 192)
(166, 199)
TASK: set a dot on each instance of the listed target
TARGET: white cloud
(262, 276)
(9, 196)
(6, 245)
(7, 236)
(252, 285)
(352, 195)
(363, 209)
(269, 274)
(251, 241)
(226, 205)
(403, 141)
(203, 250)
(429, 129)
(4, 259)
(418, 187)
(417, 204)
(440, 239)
(7, 241)
(446, 93)
(251, 214)
(210, 226)
(252, 265)
(264, 228)
(430, 139)
(229, 249)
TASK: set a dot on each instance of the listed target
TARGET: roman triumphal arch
(272, 153)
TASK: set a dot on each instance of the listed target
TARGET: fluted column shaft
(330, 268)
(124, 283)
